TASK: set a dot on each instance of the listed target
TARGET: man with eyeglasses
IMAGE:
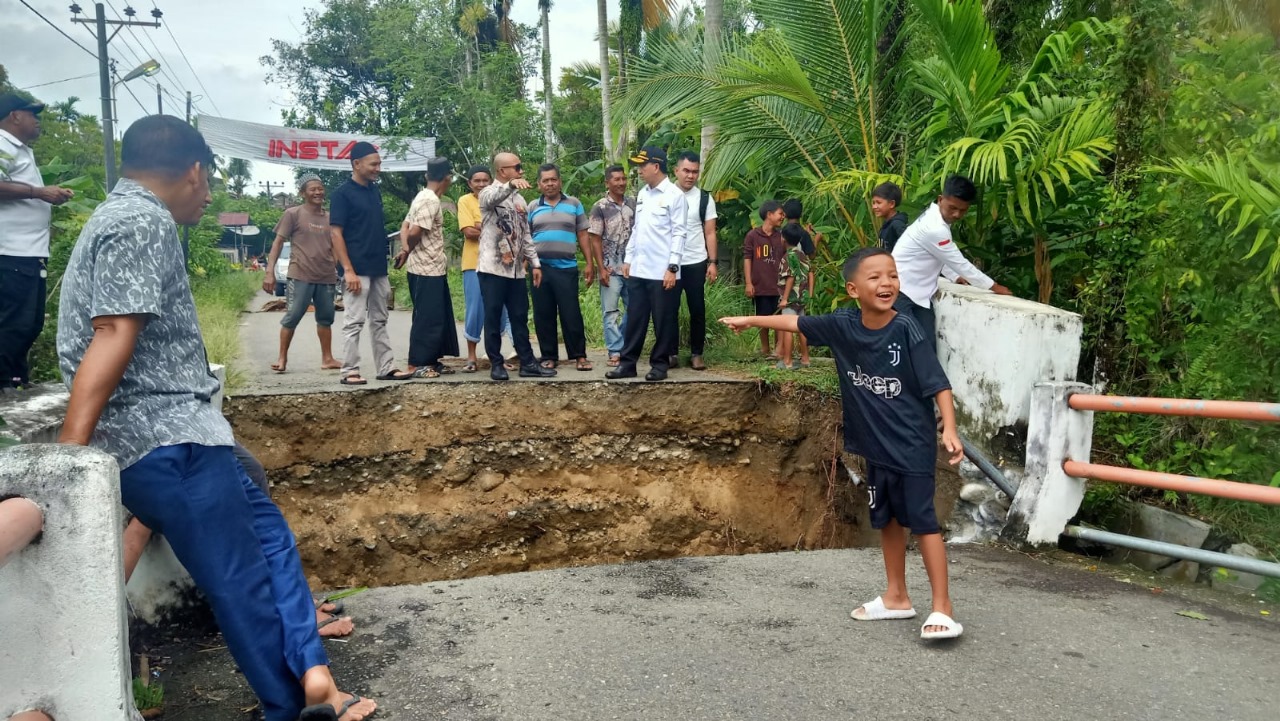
(505, 246)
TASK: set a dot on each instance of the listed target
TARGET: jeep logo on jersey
(887, 387)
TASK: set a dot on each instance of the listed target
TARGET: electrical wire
(60, 31)
(194, 74)
(142, 46)
(64, 80)
(135, 99)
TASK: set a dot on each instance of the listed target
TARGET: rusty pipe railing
(1173, 482)
(1225, 410)
(21, 521)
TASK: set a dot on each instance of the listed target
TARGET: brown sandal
(584, 364)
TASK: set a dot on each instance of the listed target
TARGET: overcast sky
(223, 41)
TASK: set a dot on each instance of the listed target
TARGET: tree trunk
(1044, 269)
(712, 25)
(602, 32)
(550, 153)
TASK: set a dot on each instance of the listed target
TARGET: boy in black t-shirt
(885, 200)
(888, 374)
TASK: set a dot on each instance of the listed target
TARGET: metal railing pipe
(988, 468)
(1225, 410)
(20, 523)
(1173, 482)
(1243, 564)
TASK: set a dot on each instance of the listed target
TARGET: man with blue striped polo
(559, 227)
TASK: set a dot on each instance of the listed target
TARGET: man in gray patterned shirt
(131, 352)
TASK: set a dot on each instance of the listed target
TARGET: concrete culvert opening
(421, 483)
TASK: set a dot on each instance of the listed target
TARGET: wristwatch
(673, 268)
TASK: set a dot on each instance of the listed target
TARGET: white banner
(309, 148)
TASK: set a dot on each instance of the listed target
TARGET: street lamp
(146, 69)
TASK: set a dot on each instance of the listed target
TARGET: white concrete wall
(63, 629)
(159, 584)
(995, 349)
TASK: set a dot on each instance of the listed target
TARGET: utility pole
(100, 22)
(269, 185)
(159, 101)
(188, 107)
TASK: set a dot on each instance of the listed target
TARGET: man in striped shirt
(559, 227)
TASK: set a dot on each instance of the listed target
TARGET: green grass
(219, 301)
(147, 696)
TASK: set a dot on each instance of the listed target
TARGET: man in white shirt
(651, 267)
(926, 250)
(698, 260)
(25, 213)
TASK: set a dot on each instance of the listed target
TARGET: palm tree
(602, 35)
(712, 24)
(815, 91)
(544, 8)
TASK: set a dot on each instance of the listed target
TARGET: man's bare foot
(332, 626)
(30, 716)
(318, 687)
(280, 365)
(331, 364)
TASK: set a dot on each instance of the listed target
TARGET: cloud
(223, 41)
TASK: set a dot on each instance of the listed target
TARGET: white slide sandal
(875, 611)
(951, 629)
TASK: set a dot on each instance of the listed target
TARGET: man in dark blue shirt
(889, 378)
(360, 244)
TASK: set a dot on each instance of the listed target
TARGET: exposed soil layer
(426, 482)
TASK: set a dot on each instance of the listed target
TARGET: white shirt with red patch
(925, 251)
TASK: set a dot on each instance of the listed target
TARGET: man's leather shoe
(696, 363)
(673, 361)
(618, 373)
(655, 375)
(537, 371)
(499, 373)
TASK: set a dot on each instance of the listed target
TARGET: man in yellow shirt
(478, 177)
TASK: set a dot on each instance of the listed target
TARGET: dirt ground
(420, 483)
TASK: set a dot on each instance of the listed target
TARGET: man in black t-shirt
(888, 376)
(359, 233)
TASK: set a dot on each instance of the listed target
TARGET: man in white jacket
(927, 250)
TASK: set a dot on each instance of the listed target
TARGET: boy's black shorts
(766, 304)
(905, 497)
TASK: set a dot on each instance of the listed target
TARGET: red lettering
(329, 146)
(271, 149)
(346, 152)
(290, 148)
(309, 150)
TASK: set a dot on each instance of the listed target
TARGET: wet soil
(424, 482)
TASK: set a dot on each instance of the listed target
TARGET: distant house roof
(233, 219)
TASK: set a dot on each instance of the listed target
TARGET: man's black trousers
(22, 289)
(500, 292)
(693, 284)
(648, 299)
(558, 297)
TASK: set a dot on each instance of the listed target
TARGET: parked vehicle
(282, 269)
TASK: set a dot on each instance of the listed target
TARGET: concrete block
(64, 639)
(1236, 581)
(1047, 497)
(995, 349)
(1158, 524)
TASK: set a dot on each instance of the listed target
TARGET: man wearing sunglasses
(505, 246)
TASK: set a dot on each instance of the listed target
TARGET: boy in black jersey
(888, 376)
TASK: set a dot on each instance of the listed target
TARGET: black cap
(361, 149)
(648, 154)
(10, 102)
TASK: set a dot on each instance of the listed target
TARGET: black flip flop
(396, 375)
(347, 381)
(319, 712)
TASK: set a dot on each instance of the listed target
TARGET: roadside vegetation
(1128, 154)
